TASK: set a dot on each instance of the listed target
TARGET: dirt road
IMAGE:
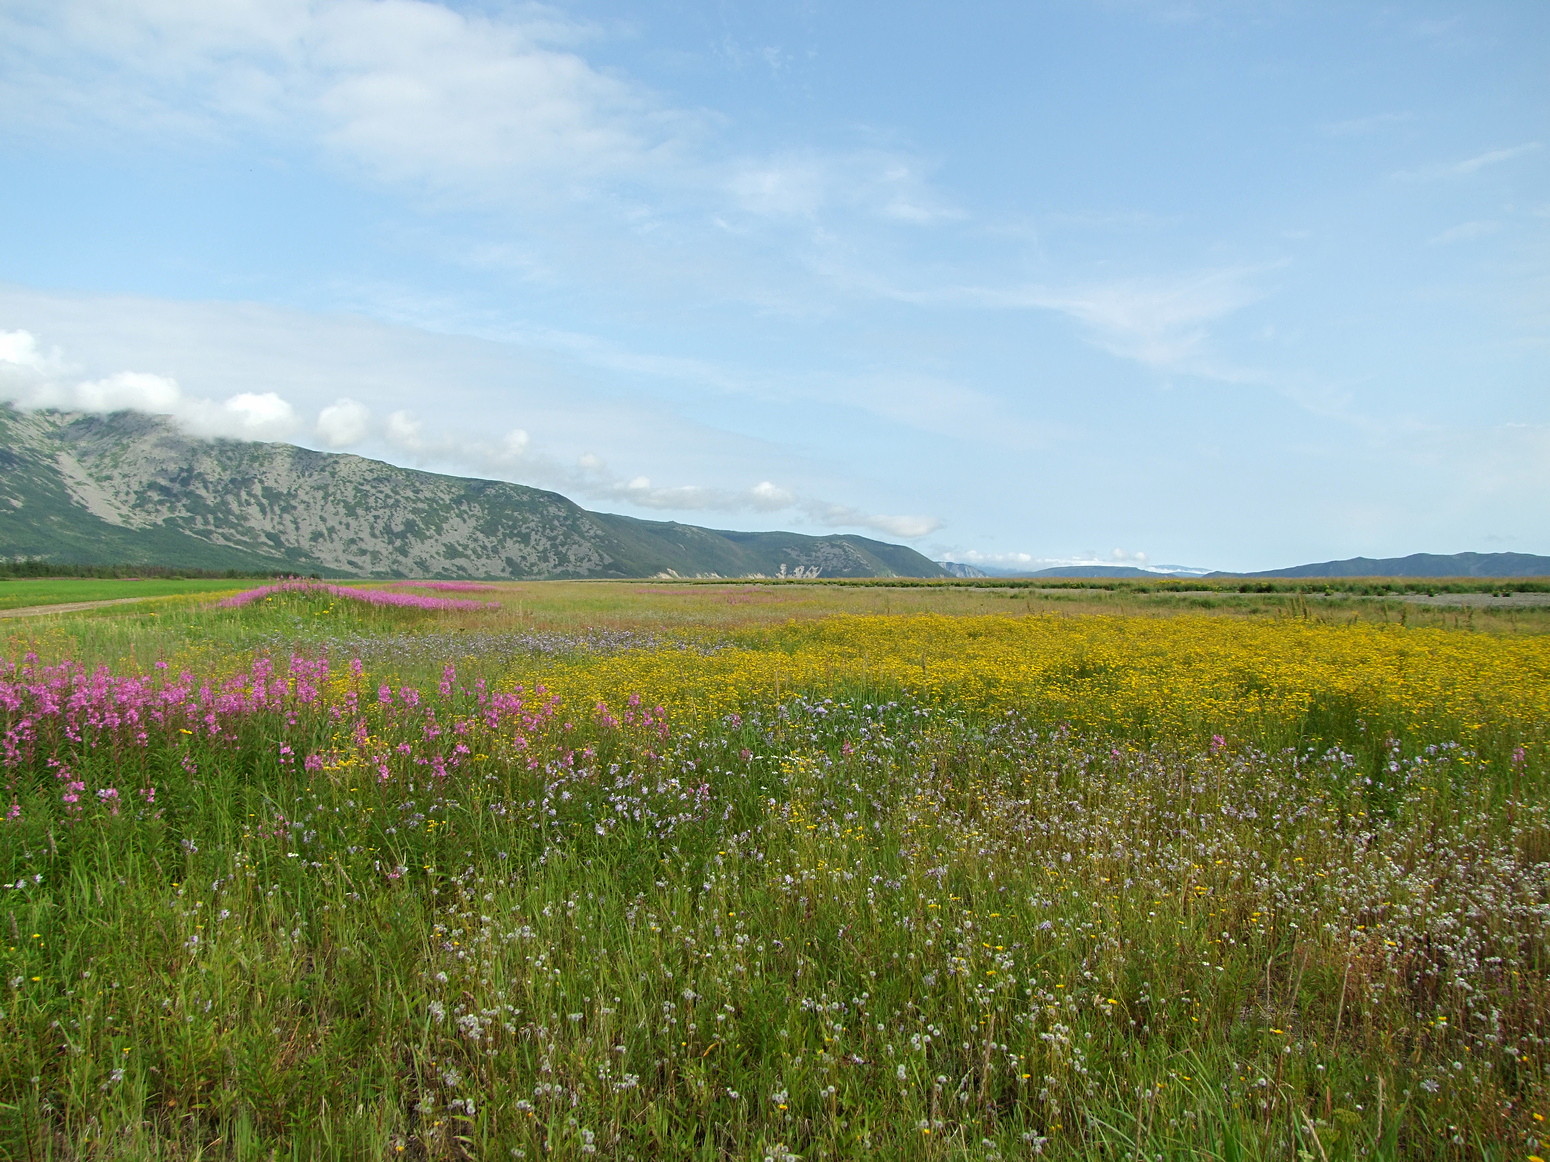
(68, 607)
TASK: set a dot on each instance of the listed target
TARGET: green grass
(881, 929)
(18, 594)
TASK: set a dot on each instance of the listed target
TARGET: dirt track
(67, 607)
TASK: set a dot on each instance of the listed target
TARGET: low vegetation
(721, 872)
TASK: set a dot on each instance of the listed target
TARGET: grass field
(19, 593)
(776, 871)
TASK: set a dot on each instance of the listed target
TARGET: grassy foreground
(20, 593)
(308, 879)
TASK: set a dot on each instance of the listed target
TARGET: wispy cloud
(1366, 126)
(407, 89)
(939, 405)
(884, 184)
(589, 476)
(1469, 165)
(1162, 322)
(1465, 232)
(1032, 562)
(492, 107)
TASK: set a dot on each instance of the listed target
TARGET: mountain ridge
(126, 487)
(1417, 565)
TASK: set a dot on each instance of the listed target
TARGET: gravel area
(1480, 600)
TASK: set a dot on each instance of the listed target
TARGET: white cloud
(488, 106)
(1493, 157)
(843, 516)
(803, 184)
(1161, 323)
(597, 482)
(1033, 563)
(403, 432)
(408, 89)
(975, 557)
(33, 375)
(251, 415)
(418, 91)
(22, 358)
(1469, 165)
(1364, 126)
(780, 187)
(770, 494)
(343, 424)
(588, 174)
(1464, 232)
(1164, 323)
(128, 390)
(33, 378)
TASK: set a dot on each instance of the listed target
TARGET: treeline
(37, 568)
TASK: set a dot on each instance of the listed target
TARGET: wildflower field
(772, 872)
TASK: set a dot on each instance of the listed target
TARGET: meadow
(663, 870)
(19, 593)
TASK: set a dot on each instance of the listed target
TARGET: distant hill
(1096, 571)
(959, 569)
(134, 489)
(1418, 565)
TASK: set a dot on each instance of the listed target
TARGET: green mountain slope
(134, 489)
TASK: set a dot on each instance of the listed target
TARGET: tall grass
(406, 910)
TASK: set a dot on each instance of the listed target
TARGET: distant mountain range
(1418, 565)
(1097, 571)
(1415, 565)
(134, 489)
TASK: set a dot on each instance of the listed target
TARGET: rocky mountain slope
(135, 489)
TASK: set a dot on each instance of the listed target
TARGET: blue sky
(1217, 283)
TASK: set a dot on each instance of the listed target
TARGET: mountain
(1418, 565)
(959, 569)
(134, 489)
(1096, 571)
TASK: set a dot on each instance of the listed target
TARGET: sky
(1235, 284)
